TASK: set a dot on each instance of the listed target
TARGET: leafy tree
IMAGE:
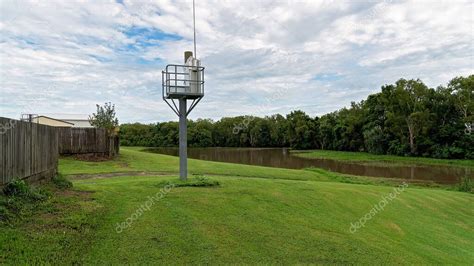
(301, 131)
(136, 135)
(200, 133)
(326, 131)
(278, 129)
(407, 114)
(375, 132)
(372, 139)
(463, 92)
(105, 117)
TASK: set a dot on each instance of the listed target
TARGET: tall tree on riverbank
(407, 109)
(463, 92)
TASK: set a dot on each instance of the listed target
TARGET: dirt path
(108, 175)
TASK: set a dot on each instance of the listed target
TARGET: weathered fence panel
(27, 150)
(31, 151)
(74, 140)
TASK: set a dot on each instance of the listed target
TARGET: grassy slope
(248, 220)
(378, 159)
(131, 159)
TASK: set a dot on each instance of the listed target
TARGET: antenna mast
(194, 26)
(182, 83)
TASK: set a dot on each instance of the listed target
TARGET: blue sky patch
(327, 77)
(148, 35)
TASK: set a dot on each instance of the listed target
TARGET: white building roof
(79, 120)
(69, 116)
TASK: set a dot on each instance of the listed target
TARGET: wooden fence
(31, 151)
(27, 150)
(87, 141)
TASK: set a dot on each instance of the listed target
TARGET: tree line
(406, 118)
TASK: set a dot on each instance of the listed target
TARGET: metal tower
(183, 83)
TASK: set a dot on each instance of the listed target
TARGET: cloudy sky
(261, 57)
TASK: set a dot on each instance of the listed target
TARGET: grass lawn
(255, 215)
(380, 159)
(132, 159)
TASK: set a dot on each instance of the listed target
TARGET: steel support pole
(183, 141)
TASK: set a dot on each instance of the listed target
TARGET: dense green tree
(278, 129)
(376, 135)
(326, 135)
(260, 133)
(300, 131)
(200, 133)
(405, 118)
(136, 134)
(463, 91)
(408, 115)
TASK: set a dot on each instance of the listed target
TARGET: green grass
(380, 159)
(255, 215)
(132, 159)
(198, 181)
(56, 229)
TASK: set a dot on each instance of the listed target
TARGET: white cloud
(66, 56)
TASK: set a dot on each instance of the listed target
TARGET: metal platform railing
(182, 81)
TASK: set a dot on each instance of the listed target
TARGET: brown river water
(281, 157)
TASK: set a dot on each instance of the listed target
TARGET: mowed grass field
(256, 215)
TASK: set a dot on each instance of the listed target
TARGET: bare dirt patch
(90, 157)
(83, 194)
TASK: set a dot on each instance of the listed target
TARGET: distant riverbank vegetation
(406, 118)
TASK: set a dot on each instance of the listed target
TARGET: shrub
(4, 212)
(466, 184)
(397, 148)
(199, 181)
(61, 182)
(20, 189)
(16, 187)
(18, 197)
